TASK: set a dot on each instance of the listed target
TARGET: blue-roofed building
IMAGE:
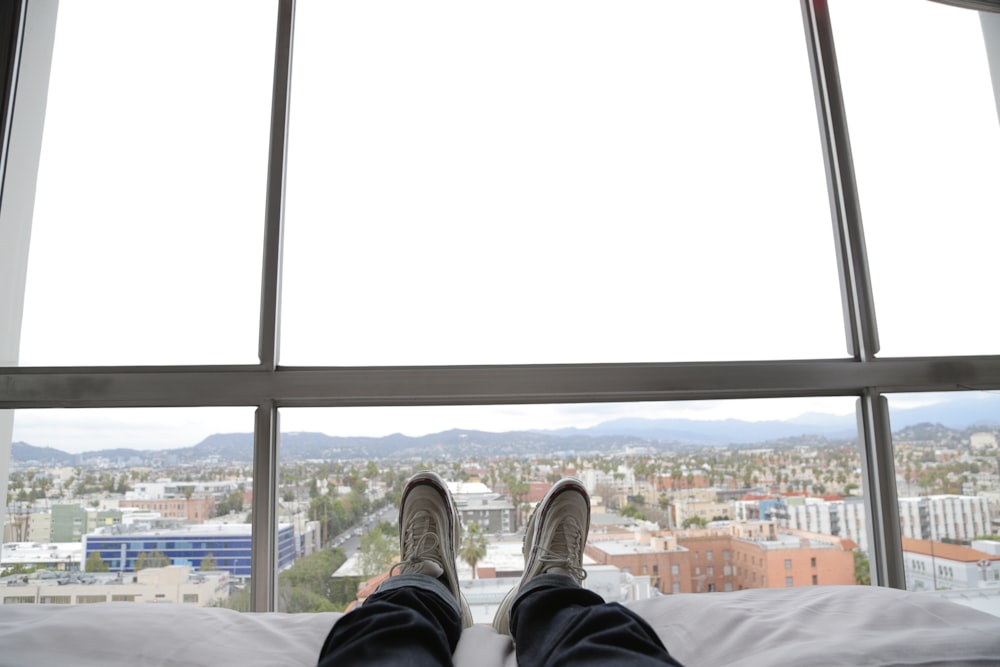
(228, 545)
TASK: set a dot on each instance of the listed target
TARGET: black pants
(415, 620)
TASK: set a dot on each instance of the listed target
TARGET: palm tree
(473, 547)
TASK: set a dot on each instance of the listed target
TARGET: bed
(821, 626)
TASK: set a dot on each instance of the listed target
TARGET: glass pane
(946, 457)
(146, 239)
(926, 143)
(564, 182)
(729, 494)
(130, 505)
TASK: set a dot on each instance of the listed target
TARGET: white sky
(500, 183)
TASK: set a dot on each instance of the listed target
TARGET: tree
(231, 502)
(208, 564)
(17, 568)
(147, 559)
(376, 554)
(632, 511)
(95, 563)
(473, 547)
(862, 570)
(308, 586)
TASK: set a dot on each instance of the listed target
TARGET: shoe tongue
(556, 569)
(428, 567)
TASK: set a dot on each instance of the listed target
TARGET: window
(788, 582)
(567, 162)
(675, 569)
(575, 196)
(91, 599)
(190, 598)
(815, 579)
(19, 599)
(946, 83)
(54, 599)
(154, 273)
(812, 562)
(788, 563)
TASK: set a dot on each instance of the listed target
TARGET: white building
(175, 584)
(42, 555)
(983, 441)
(842, 518)
(948, 517)
(935, 566)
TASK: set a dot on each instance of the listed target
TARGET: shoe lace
(422, 550)
(565, 551)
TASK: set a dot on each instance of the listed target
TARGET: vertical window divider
(264, 576)
(25, 66)
(881, 500)
(270, 299)
(852, 256)
(856, 294)
(264, 531)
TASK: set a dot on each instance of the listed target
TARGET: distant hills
(965, 411)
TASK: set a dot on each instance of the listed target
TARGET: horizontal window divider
(178, 386)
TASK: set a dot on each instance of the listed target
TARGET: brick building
(731, 557)
(193, 510)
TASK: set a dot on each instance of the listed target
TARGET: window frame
(268, 386)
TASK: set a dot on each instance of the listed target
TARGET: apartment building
(733, 557)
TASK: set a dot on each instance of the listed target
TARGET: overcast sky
(499, 183)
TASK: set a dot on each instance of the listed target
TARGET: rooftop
(29, 553)
(955, 552)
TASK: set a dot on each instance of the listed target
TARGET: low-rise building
(42, 555)
(228, 545)
(174, 584)
(933, 566)
(192, 510)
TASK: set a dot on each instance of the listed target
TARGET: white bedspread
(828, 626)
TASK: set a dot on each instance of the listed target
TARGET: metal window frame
(268, 386)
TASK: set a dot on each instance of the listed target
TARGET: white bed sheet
(828, 626)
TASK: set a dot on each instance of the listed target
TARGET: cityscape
(668, 517)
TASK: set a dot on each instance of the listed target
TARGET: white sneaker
(429, 530)
(553, 541)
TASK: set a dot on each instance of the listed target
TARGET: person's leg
(416, 617)
(556, 622)
(412, 619)
(552, 619)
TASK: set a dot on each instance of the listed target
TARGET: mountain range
(965, 410)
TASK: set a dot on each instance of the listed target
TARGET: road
(350, 541)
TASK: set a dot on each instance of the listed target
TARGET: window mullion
(852, 257)
(264, 535)
(881, 501)
(270, 300)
